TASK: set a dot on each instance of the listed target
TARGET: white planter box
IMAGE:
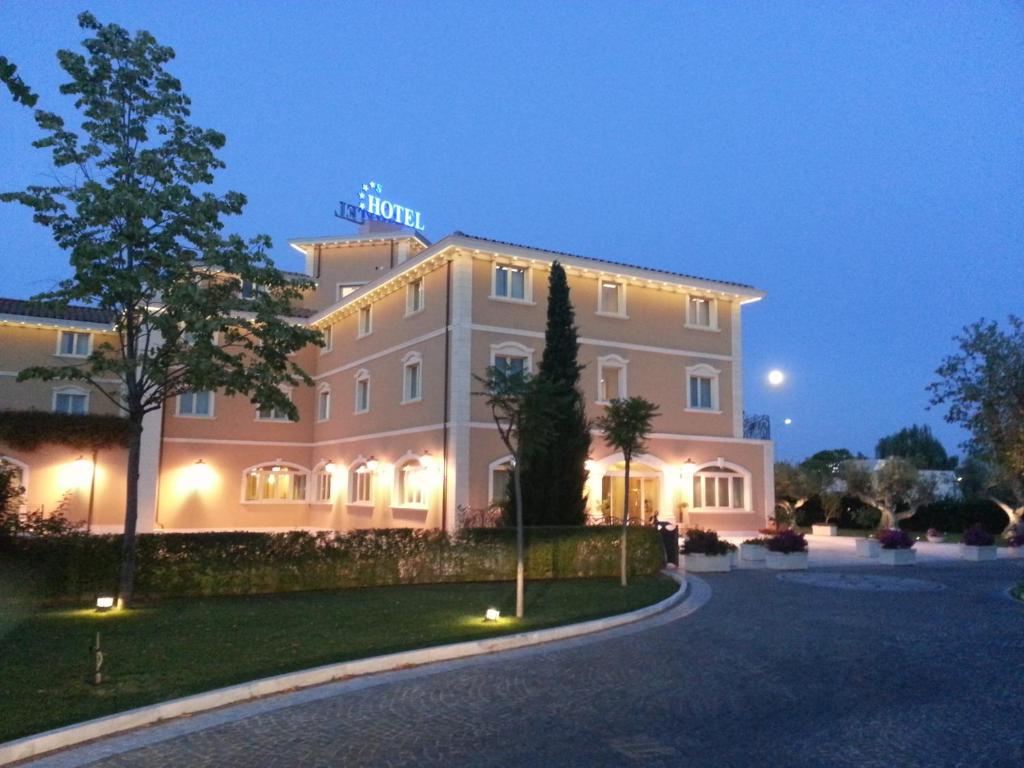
(1015, 551)
(700, 563)
(825, 530)
(868, 548)
(752, 553)
(896, 556)
(787, 561)
(977, 554)
(937, 539)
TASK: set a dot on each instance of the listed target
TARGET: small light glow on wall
(589, 465)
(199, 477)
(687, 469)
(75, 474)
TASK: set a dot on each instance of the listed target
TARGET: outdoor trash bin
(670, 540)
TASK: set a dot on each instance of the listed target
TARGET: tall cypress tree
(553, 472)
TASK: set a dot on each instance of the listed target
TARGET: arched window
(412, 481)
(323, 482)
(361, 481)
(72, 400)
(499, 476)
(721, 487)
(611, 378)
(277, 483)
(512, 357)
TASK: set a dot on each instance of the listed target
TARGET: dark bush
(787, 542)
(186, 564)
(976, 536)
(956, 516)
(895, 539)
(702, 542)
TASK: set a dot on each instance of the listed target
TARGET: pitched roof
(602, 261)
(73, 313)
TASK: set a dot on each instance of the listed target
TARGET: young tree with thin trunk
(133, 208)
(625, 425)
(896, 489)
(983, 387)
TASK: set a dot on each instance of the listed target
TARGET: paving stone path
(768, 673)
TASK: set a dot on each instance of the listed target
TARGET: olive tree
(896, 489)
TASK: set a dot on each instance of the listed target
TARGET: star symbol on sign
(365, 187)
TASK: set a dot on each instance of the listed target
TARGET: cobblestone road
(770, 672)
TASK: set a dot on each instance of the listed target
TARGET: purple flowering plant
(976, 536)
(787, 541)
(894, 538)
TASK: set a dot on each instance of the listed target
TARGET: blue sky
(862, 162)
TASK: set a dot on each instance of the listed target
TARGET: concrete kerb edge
(110, 725)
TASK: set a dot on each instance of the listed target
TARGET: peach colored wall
(53, 470)
(355, 263)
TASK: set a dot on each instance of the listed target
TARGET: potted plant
(1015, 541)
(754, 551)
(935, 536)
(977, 544)
(787, 551)
(897, 548)
(868, 546)
(828, 528)
(704, 552)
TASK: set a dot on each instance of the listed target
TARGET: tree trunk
(520, 564)
(887, 520)
(625, 519)
(1013, 514)
(129, 545)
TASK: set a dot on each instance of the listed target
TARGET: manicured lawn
(178, 647)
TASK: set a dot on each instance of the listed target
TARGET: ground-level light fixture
(104, 603)
(492, 614)
(776, 377)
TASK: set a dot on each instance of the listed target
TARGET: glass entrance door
(644, 493)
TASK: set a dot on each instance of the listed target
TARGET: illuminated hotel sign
(373, 206)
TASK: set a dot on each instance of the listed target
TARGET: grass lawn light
(977, 544)
(787, 551)
(104, 603)
(897, 548)
(492, 614)
(704, 552)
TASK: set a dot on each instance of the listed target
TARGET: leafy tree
(795, 486)
(511, 395)
(554, 474)
(15, 85)
(826, 464)
(896, 489)
(917, 445)
(133, 209)
(982, 386)
(625, 425)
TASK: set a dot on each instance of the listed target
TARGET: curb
(109, 725)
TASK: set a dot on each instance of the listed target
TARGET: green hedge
(192, 564)
(27, 430)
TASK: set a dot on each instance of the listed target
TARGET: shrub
(894, 538)
(787, 541)
(703, 542)
(1015, 539)
(977, 536)
(760, 541)
(956, 516)
(186, 564)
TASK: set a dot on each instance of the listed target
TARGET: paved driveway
(864, 666)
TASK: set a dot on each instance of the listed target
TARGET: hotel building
(390, 433)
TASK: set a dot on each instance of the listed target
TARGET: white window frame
(323, 389)
(714, 470)
(601, 309)
(712, 313)
(512, 349)
(361, 331)
(611, 362)
(359, 469)
(403, 467)
(495, 466)
(60, 344)
(73, 391)
(362, 375)
(192, 415)
(328, 332)
(288, 466)
(410, 296)
(340, 287)
(703, 371)
(527, 283)
(322, 477)
(272, 418)
(412, 360)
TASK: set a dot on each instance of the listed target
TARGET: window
(274, 413)
(346, 289)
(74, 344)
(323, 403)
(361, 484)
(412, 481)
(324, 483)
(702, 388)
(275, 483)
(71, 400)
(328, 333)
(719, 488)
(412, 377)
(501, 477)
(509, 282)
(611, 378)
(362, 391)
(365, 321)
(611, 299)
(512, 357)
(414, 297)
(702, 312)
(197, 404)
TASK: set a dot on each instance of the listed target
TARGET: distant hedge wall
(194, 564)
